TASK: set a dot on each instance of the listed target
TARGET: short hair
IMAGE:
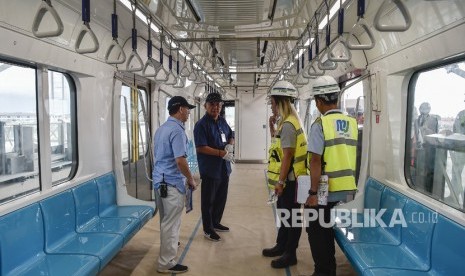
(174, 110)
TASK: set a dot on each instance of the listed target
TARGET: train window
(435, 144)
(19, 158)
(62, 100)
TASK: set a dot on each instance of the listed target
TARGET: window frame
(408, 127)
(42, 120)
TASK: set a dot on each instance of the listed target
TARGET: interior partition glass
(62, 101)
(19, 157)
(136, 141)
(435, 144)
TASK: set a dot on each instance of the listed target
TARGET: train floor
(252, 225)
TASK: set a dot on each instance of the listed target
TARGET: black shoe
(273, 252)
(212, 236)
(175, 269)
(284, 261)
(221, 228)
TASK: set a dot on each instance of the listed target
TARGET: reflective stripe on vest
(275, 154)
(340, 134)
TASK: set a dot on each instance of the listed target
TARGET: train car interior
(84, 86)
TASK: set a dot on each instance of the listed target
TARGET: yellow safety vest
(275, 154)
(340, 133)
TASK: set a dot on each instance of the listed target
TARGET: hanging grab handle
(46, 6)
(393, 28)
(85, 29)
(361, 22)
(114, 44)
(327, 64)
(340, 41)
(150, 61)
(162, 74)
(134, 54)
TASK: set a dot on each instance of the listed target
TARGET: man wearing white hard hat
(333, 148)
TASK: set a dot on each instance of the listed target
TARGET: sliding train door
(136, 148)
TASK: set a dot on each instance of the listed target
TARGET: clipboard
(188, 202)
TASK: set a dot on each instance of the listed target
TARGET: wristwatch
(280, 182)
(312, 193)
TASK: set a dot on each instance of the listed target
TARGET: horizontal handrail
(393, 28)
(46, 6)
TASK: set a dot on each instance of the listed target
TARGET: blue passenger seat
(87, 214)
(426, 243)
(61, 236)
(22, 248)
(447, 257)
(376, 198)
(107, 202)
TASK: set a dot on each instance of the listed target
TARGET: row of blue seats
(428, 244)
(75, 232)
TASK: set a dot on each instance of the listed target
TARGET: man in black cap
(214, 142)
(170, 175)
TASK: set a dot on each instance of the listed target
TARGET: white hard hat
(284, 88)
(425, 108)
(325, 85)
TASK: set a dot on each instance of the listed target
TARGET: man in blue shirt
(214, 141)
(170, 174)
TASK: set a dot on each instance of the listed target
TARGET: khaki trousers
(170, 210)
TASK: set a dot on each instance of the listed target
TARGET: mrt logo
(342, 126)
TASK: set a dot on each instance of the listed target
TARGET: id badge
(223, 137)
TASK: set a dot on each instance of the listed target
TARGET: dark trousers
(214, 193)
(288, 237)
(321, 241)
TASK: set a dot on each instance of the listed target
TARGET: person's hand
(279, 189)
(192, 184)
(229, 156)
(312, 201)
(272, 120)
(229, 148)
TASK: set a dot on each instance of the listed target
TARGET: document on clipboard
(303, 186)
(189, 193)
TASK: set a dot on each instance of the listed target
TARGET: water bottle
(323, 190)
